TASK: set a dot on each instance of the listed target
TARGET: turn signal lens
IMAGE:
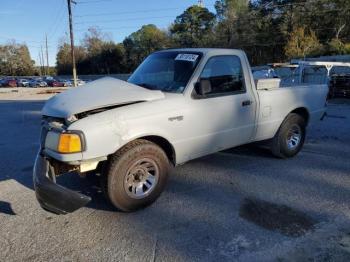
(69, 143)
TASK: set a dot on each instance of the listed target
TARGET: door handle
(247, 103)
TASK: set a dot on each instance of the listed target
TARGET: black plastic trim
(51, 196)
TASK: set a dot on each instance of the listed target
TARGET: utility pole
(47, 57)
(72, 40)
(41, 66)
(43, 61)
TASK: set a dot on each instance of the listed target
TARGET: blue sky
(27, 21)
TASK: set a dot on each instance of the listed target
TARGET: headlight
(65, 143)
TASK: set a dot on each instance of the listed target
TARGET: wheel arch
(162, 142)
(303, 112)
(276, 148)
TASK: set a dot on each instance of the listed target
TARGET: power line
(20, 39)
(278, 15)
(93, 1)
(163, 17)
(114, 28)
(63, 24)
(56, 21)
(125, 19)
(23, 42)
(130, 12)
(135, 11)
(60, 21)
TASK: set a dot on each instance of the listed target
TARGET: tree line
(268, 30)
(15, 60)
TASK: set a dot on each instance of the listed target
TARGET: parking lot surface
(238, 205)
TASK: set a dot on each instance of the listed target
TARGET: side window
(225, 75)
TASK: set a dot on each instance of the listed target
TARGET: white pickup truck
(179, 104)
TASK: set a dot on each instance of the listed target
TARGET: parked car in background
(37, 83)
(9, 82)
(33, 82)
(22, 82)
(55, 83)
(79, 82)
(339, 85)
(47, 78)
(65, 82)
(42, 83)
(49, 82)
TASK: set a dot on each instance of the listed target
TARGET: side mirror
(203, 87)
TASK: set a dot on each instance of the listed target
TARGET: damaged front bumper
(51, 196)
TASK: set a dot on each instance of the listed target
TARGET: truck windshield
(166, 71)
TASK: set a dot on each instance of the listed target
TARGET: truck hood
(105, 92)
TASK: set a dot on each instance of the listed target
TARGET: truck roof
(204, 50)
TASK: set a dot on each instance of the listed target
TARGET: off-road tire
(117, 168)
(279, 145)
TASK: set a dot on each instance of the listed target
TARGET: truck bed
(276, 103)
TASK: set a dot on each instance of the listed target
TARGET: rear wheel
(136, 175)
(290, 137)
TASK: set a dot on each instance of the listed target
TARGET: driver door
(223, 117)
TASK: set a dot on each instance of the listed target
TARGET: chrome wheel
(294, 137)
(141, 178)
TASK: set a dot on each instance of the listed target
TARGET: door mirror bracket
(203, 87)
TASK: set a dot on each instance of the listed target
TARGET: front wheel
(290, 137)
(136, 175)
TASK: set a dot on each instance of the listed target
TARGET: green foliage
(193, 28)
(96, 55)
(64, 59)
(15, 60)
(103, 56)
(231, 15)
(251, 26)
(337, 47)
(143, 42)
(302, 44)
(228, 9)
(268, 30)
(263, 28)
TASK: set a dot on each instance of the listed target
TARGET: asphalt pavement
(238, 205)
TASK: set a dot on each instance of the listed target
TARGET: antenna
(201, 3)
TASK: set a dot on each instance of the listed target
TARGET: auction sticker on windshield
(187, 57)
